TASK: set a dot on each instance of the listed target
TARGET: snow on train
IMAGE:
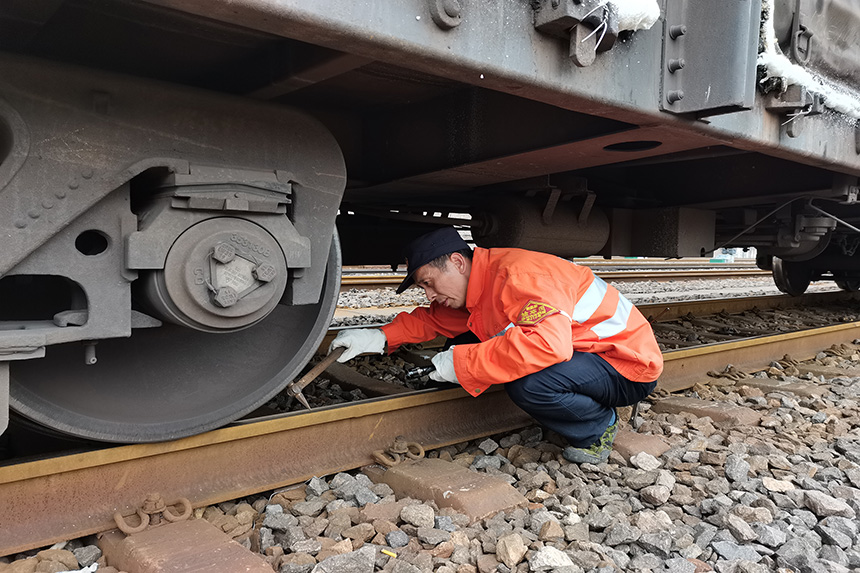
(171, 171)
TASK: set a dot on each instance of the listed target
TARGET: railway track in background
(69, 496)
(364, 280)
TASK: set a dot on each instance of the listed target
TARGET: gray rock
(741, 566)
(276, 519)
(655, 494)
(534, 480)
(432, 536)
(510, 440)
(310, 546)
(828, 474)
(346, 489)
(831, 567)
(444, 522)
(531, 435)
(824, 505)
(646, 561)
(797, 553)
(753, 514)
(679, 565)
(718, 485)
(705, 471)
(419, 515)
(382, 489)
(340, 479)
(737, 469)
(511, 549)
(363, 480)
(805, 518)
(484, 462)
(833, 536)
(549, 558)
(363, 495)
(769, 536)
(641, 479)
(267, 538)
(853, 475)
(291, 535)
(620, 558)
(401, 566)
(833, 554)
(397, 538)
(621, 533)
(665, 479)
(740, 528)
(844, 525)
(488, 446)
(657, 543)
(576, 532)
(462, 555)
(704, 533)
(692, 551)
(87, 555)
(645, 461)
(652, 521)
(296, 568)
(311, 508)
(336, 504)
(539, 518)
(587, 560)
(808, 483)
(361, 561)
(316, 486)
(732, 551)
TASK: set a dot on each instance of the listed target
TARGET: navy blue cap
(442, 241)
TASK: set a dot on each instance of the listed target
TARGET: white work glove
(444, 363)
(359, 341)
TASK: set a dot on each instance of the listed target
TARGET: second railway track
(392, 279)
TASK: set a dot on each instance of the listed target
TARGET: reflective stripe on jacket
(532, 310)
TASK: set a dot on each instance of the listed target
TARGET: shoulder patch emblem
(534, 312)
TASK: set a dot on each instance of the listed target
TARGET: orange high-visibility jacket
(531, 310)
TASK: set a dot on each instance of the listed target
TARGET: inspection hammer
(294, 389)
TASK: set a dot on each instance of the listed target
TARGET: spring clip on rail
(151, 512)
(399, 451)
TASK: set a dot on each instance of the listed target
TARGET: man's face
(446, 286)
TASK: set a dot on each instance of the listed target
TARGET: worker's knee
(525, 392)
(516, 391)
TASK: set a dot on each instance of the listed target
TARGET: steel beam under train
(496, 46)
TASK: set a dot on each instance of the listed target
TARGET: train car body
(172, 172)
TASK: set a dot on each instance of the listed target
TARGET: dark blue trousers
(576, 398)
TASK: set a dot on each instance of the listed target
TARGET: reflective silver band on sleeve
(617, 323)
(587, 305)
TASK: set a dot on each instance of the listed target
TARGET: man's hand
(359, 341)
(444, 363)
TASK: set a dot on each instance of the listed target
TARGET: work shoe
(597, 452)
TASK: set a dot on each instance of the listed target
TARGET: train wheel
(170, 382)
(790, 277)
(850, 285)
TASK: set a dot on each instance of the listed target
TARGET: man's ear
(459, 261)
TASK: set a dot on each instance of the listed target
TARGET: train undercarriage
(180, 182)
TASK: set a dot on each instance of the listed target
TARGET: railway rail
(392, 279)
(69, 496)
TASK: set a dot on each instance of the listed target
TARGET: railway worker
(568, 347)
